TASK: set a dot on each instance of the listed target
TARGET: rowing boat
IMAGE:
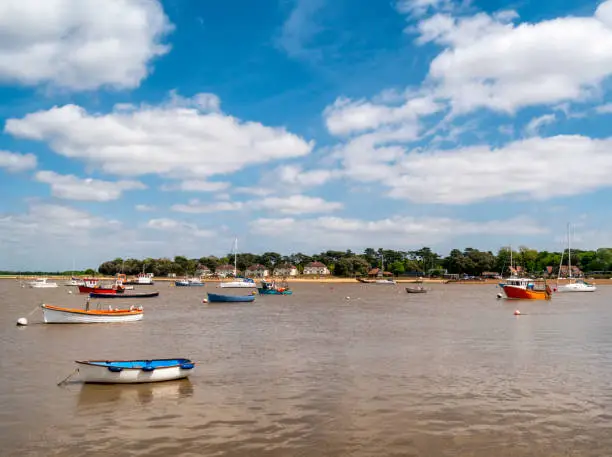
(134, 371)
(60, 315)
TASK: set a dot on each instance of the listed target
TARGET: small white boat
(41, 283)
(75, 282)
(59, 315)
(134, 371)
(242, 283)
(390, 282)
(577, 286)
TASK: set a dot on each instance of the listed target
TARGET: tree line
(423, 261)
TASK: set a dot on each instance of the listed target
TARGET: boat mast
(511, 273)
(569, 252)
(235, 256)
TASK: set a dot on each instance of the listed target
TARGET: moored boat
(388, 282)
(60, 315)
(123, 295)
(240, 283)
(217, 298)
(42, 283)
(189, 282)
(525, 289)
(271, 288)
(75, 282)
(578, 285)
(134, 371)
(416, 290)
(366, 281)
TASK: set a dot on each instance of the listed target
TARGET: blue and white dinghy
(134, 371)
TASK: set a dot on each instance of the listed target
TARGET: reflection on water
(385, 373)
(107, 395)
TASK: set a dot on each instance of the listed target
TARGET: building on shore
(257, 271)
(224, 271)
(286, 270)
(316, 268)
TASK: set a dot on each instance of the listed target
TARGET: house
(376, 272)
(223, 271)
(517, 271)
(316, 268)
(576, 272)
(286, 270)
(257, 271)
(204, 272)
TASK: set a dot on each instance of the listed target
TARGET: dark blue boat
(216, 298)
(124, 295)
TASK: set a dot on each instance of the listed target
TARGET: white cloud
(293, 204)
(295, 175)
(80, 44)
(196, 207)
(421, 7)
(346, 116)
(297, 204)
(258, 191)
(300, 28)
(604, 109)
(194, 185)
(539, 168)
(397, 232)
(145, 208)
(533, 127)
(179, 143)
(71, 187)
(490, 62)
(14, 162)
(203, 101)
(179, 228)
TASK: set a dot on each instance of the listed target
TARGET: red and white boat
(92, 285)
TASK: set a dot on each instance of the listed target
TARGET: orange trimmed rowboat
(59, 315)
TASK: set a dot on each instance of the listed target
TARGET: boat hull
(49, 285)
(263, 291)
(59, 315)
(99, 290)
(216, 298)
(188, 284)
(121, 373)
(412, 290)
(519, 293)
(576, 288)
(238, 285)
(142, 295)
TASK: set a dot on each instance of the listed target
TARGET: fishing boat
(416, 290)
(134, 371)
(217, 298)
(123, 295)
(189, 282)
(271, 288)
(572, 285)
(115, 289)
(60, 315)
(41, 283)
(142, 279)
(525, 289)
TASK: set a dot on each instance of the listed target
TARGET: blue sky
(162, 128)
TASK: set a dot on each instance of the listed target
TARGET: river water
(448, 373)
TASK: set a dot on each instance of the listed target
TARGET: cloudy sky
(169, 127)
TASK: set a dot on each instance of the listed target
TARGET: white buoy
(205, 300)
(517, 313)
(500, 296)
(69, 291)
(347, 298)
(22, 321)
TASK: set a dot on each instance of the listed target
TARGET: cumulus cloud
(533, 127)
(194, 185)
(80, 44)
(14, 162)
(144, 208)
(489, 62)
(179, 227)
(71, 187)
(176, 142)
(297, 176)
(398, 231)
(293, 204)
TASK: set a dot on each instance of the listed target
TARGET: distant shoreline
(327, 280)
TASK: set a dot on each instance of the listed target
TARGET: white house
(257, 271)
(316, 268)
(286, 270)
(223, 271)
(204, 271)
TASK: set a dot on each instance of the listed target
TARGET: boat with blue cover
(136, 295)
(191, 282)
(134, 371)
(217, 298)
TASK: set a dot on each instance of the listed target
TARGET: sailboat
(573, 285)
(381, 279)
(239, 283)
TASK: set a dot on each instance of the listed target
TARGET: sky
(150, 128)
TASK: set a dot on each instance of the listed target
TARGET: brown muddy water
(384, 373)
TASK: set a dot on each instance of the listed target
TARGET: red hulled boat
(91, 285)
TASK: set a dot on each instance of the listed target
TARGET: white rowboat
(134, 371)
